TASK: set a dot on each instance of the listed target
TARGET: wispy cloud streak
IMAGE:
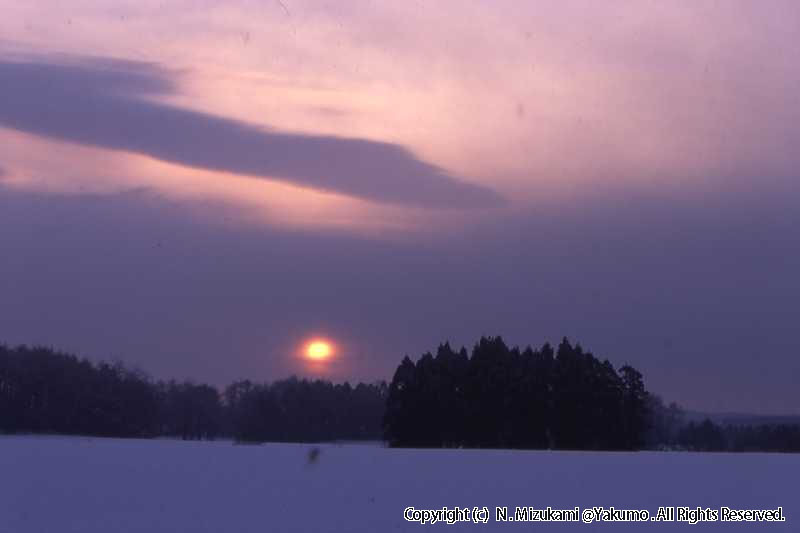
(104, 103)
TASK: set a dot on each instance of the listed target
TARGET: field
(85, 485)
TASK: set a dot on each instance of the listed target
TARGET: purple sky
(199, 189)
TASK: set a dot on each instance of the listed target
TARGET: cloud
(104, 103)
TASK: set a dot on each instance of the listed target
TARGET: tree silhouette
(504, 397)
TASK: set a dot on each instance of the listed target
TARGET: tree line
(45, 391)
(305, 411)
(707, 436)
(493, 397)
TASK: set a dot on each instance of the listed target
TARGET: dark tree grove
(501, 397)
(42, 391)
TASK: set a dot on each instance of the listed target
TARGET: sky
(200, 188)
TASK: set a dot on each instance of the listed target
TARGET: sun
(319, 350)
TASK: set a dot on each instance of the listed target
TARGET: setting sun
(319, 350)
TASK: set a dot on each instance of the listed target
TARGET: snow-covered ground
(83, 485)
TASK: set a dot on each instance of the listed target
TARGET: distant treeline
(44, 391)
(498, 397)
(707, 436)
